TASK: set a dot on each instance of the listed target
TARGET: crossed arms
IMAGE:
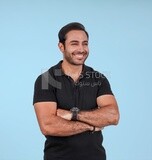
(57, 122)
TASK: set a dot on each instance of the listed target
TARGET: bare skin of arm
(106, 114)
(51, 124)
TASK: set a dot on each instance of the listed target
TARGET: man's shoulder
(90, 70)
(94, 74)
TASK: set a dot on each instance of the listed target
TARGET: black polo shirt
(55, 86)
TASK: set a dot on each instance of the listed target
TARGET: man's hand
(95, 129)
(99, 129)
(68, 116)
(64, 114)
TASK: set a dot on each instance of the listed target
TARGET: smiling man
(73, 102)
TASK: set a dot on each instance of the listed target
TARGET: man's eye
(85, 44)
(74, 44)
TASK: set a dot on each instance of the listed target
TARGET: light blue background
(120, 47)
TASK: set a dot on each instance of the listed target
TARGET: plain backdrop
(120, 47)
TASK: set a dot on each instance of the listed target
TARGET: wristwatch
(74, 112)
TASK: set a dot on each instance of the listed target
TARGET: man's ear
(61, 47)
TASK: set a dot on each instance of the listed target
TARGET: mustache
(80, 53)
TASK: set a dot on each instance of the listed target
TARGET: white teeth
(79, 55)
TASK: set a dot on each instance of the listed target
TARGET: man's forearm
(100, 117)
(62, 127)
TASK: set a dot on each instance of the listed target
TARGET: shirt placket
(76, 95)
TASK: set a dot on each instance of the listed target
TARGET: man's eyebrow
(75, 41)
(85, 41)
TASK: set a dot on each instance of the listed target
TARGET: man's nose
(81, 48)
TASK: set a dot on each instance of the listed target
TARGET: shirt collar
(59, 72)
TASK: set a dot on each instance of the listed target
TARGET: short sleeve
(43, 94)
(104, 87)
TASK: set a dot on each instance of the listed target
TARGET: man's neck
(73, 71)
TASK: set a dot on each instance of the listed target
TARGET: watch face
(75, 109)
(74, 112)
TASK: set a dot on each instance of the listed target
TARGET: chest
(82, 94)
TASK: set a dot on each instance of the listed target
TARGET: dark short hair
(69, 27)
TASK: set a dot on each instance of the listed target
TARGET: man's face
(76, 49)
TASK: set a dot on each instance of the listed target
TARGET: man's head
(69, 27)
(73, 43)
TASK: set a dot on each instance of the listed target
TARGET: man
(73, 103)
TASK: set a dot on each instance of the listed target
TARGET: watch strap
(74, 115)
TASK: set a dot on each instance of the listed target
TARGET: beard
(76, 58)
